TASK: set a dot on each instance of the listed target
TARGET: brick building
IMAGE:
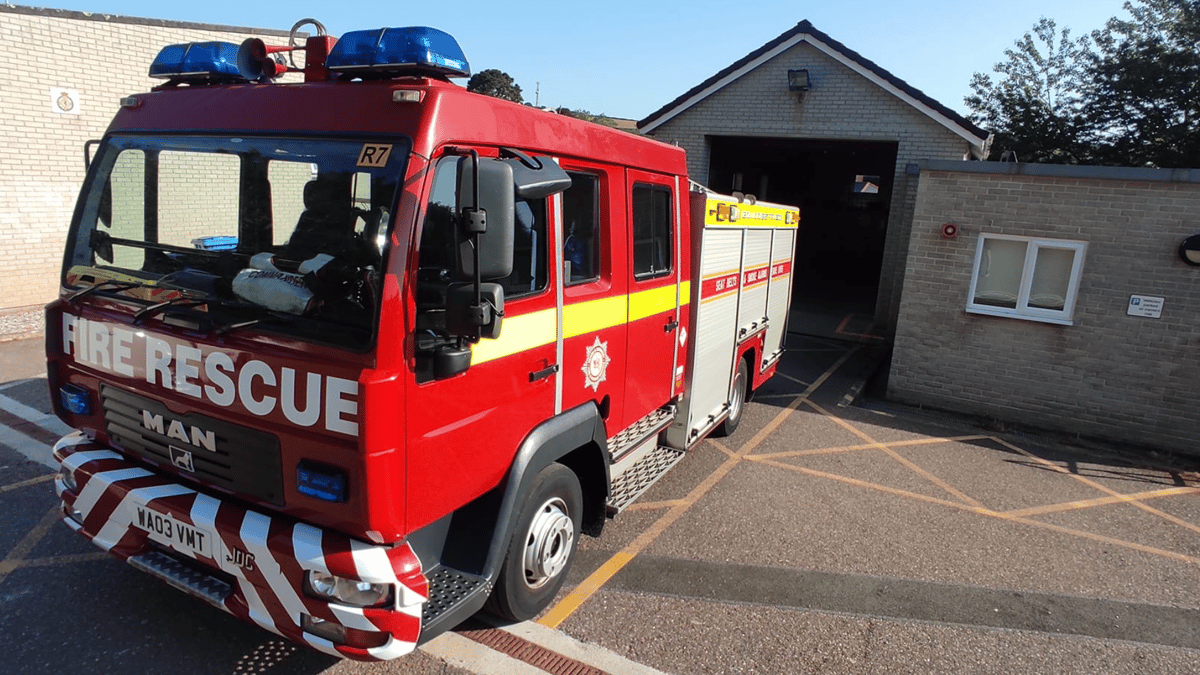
(1063, 300)
(66, 74)
(805, 120)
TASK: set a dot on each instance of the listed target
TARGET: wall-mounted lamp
(798, 80)
(1189, 250)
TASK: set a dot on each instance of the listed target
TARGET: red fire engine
(356, 357)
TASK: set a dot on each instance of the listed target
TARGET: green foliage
(497, 83)
(1145, 88)
(1134, 100)
(587, 116)
(1035, 106)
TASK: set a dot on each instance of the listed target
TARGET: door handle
(543, 373)
(671, 325)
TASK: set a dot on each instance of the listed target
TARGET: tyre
(542, 546)
(737, 401)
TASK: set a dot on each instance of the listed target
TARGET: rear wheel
(737, 401)
(542, 547)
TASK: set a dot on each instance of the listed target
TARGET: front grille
(245, 461)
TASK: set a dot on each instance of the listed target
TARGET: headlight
(349, 591)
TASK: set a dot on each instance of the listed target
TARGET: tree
(1145, 86)
(1035, 108)
(495, 83)
(587, 116)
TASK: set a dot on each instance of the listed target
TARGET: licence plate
(175, 534)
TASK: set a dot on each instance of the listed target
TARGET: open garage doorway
(844, 191)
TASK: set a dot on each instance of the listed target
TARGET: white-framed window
(1026, 278)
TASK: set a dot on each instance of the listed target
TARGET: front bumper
(247, 563)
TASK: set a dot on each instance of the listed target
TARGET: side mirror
(466, 318)
(536, 177)
(491, 219)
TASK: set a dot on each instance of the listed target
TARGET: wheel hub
(548, 545)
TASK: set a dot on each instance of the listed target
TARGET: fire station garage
(804, 120)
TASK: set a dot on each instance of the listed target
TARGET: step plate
(630, 485)
(447, 588)
(207, 588)
(653, 423)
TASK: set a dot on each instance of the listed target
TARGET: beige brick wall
(102, 58)
(843, 105)
(1109, 375)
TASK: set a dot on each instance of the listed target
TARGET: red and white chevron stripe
(266, 556)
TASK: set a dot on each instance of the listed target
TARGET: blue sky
(628, 58)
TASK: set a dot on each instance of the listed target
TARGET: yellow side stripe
(523, 332)
(654, 301)
(518, 334)
(588, 317)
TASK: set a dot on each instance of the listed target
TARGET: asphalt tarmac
(821, 537)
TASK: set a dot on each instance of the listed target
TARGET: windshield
(285, 234)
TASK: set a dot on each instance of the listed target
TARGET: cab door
(463, 431)
(653, 306)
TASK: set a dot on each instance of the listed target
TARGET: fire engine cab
(355, 357)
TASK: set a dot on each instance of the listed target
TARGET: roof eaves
(805, 32)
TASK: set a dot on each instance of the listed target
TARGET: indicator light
(321, 482)
(75, 399)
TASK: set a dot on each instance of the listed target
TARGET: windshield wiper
(269, 316)
(110, 285)
(182, 301)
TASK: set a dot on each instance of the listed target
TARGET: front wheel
(542, 547)
(737, 401)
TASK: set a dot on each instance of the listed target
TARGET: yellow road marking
(16, 557)
(609, 569)
(982, 511)
(791, 379)
(1091, 483)
(896, 456)
(868, 446)
(721, 446)
(66, 559)
(1101, 501)
(32, 481)
(654, 506)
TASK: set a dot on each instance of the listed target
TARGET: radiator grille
(246, 461)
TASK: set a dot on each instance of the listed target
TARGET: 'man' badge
(595, 365)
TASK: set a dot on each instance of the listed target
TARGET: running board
(176, 574)
(640, 473)
(622, 445)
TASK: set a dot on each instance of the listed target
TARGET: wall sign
(1148, 306)
(64, 101)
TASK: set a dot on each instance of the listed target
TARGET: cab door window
(581, 229)
(652, 252)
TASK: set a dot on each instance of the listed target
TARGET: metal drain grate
(523, 650)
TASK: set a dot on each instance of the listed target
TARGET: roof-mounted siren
(197, 63)
(395, 52)
(259, 62)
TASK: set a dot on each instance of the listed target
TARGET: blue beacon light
(197, 61)
(388, 50)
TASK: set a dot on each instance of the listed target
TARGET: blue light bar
(399, 50)
(321, 482)
(197, 61)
